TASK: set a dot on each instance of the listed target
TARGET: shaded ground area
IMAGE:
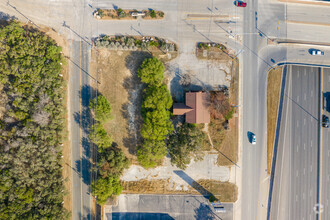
(166, 207)
(273, 97)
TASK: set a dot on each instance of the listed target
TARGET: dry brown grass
(273, 97)
(226, 141)
(119, 83)
(213, 53)
(224, 191)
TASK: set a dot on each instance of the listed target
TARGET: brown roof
(180, 109)
(200, 103)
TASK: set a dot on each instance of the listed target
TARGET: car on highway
(240, 4)
(253, 139)
(316, 52)
(325, 121)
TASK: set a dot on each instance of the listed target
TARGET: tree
(112, 162)
(31, 183)
(184, 144)
(101, 107)
(151, 153)
(105, 188)
(100, 137)
(156, 125)
(151, 72)
(157, 98)
(155, 111)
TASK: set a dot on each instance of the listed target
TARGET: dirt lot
(224, 191)
(273, 97)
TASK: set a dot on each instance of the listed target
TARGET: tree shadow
(131, 110)
(84, 118)
(5, 18)
(204, 212)
(83, 167)
(205, 193)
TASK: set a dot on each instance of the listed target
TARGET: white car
(253, 139)
(316, 52)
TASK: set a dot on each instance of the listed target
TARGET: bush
(220, 105)
(153, 14)
(154, 43)
(230, 114)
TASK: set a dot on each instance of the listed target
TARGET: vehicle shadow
(249, 135)
(326, 101)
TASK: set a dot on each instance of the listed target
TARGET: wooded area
(32, 125)
(157, 101)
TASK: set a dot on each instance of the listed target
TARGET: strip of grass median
(273, 98)
(223, 191)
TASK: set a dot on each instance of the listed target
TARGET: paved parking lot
(166, 207)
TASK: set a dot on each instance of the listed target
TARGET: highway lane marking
(305, 96)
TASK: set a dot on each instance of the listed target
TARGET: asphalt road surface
(295, 184)
(325, 199)
(166, 207)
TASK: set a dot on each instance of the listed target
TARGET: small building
(196, 109)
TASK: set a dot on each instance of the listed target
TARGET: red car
(240, 4)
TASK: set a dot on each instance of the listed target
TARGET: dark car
(325, 121)
(240, 4)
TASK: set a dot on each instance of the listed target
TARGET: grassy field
(273, 96)
(224, 191)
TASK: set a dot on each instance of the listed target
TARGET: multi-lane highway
(296, 176)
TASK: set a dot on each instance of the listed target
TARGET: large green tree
(101, 107)
(151, 72)
(185, 144)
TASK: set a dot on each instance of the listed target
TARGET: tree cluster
(31, 183)
(111, 160)
(157, 101)
(184, 144)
